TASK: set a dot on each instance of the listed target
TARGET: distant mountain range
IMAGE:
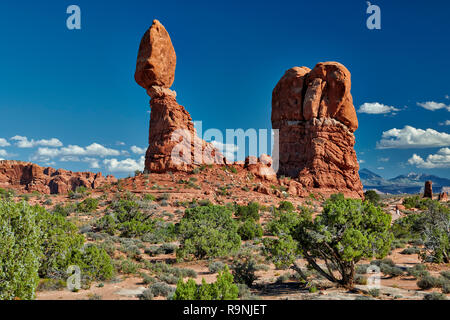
(410, 183)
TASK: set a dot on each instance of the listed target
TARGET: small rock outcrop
(314, 113)
(261, 167)
(26, 176)
(428, 192)
(173, 141)
(443, 197)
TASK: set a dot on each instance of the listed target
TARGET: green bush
(251, 211)
(87, 205)
(20, 250)
(346, 231)
(418, 271)
(286, 206)
(244, 268)
(428, 282)
(372, 196)
(207, 232)
(250, 229)
(223, 289)
(216, 266)
(435, 296)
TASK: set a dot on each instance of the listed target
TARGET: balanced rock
(173, 141)
(428, 193)
(26, 176)
(314, 113)
(156, 60)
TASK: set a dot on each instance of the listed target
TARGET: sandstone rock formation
(30, 177)
(173, 141)
(443, 197)
(428, 192)
(314, 113)
(261, 167)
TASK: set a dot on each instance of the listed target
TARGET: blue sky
(77, 86)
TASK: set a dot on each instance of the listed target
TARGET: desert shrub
(346, 231)
(284, 222)
(418, 271)
(223, 289)
(282, 251)
(50, 285)
(409, 227)
(127, 267)
(107, 224)
(372, 196)
(94, 262)
(20, 250)
(60, 240)
(435, 296)
(411, 250)
(446, 274)
(168, 278)
(391, 271)
(250, 211)
(286, 206)
(146, 295)
(79, 193)
(374, 292)
(207, 232)
(416, 202)
(250, 229)
(360, 279)
(87, 205)
(244, 268)
(168, 248)
(64, 210)
(436, 234)
(216, 266)
(162, 232)
(428, 282)
(149, 197)
(361, 268)
(161, 289)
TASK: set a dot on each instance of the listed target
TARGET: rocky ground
(173, 192)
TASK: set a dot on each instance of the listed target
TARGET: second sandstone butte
(314, 113)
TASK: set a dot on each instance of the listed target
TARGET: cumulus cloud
(3, 153)
(439, 160)
(376, 108)
(4, 143)
(137, 150)
(432, 106)
(410, 137)
(445, 123)
(93, 162)
(228, 150)
(94, 149)
(23, 142)
(127, 165)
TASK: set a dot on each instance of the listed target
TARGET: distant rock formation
(314, 113)
(443, 197)
(30, 177)
(173, 141)
(428, 192)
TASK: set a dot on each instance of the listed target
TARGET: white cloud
(383, 159)
(380, 168)
(120, 143)
(445, 123)
(127, 165)
(410, 137)
(3, 153)
(228, 150)
(376, 108)
(439, 160)
(137, 150)
(4, 143)
(432, 106)
(361, 161)
(447, 97)
(23, 142)
(94, 149)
